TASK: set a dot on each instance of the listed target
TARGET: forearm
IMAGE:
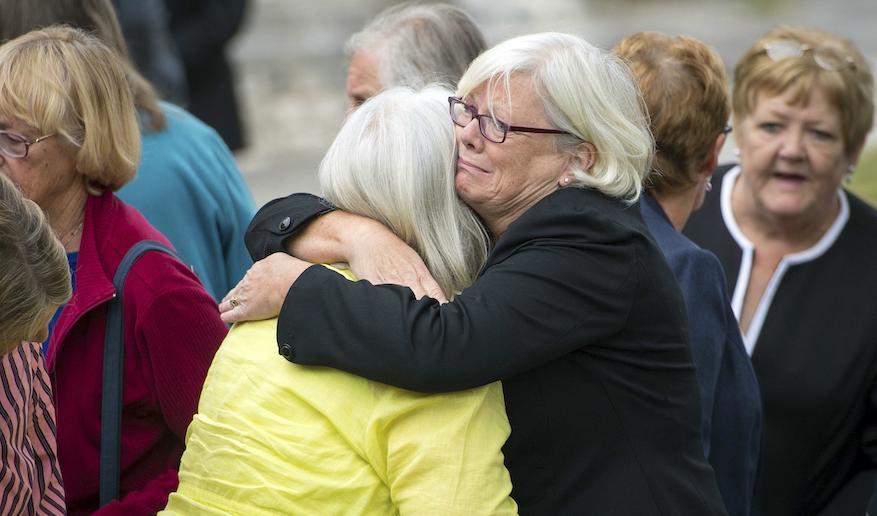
(515, 317)
(330, 238)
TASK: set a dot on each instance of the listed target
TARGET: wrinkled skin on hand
(260, 294)
(376, 255)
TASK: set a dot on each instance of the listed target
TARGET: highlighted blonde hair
(850, 89)
(394, 161)
(585, 91)
(63, 81)
(35, 277)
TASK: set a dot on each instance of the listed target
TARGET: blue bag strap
(114, 355)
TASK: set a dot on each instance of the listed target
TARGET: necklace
(70, 235)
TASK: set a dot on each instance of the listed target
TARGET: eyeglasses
(15, 146)
(491, 128)
(826, 58)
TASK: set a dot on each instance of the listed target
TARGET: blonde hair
(850, 89)
(685, 89)
(35, 277)
(95, 16)
(394, 161)
(585, 91)
(63, 81)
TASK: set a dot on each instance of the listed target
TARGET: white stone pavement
(291, 65)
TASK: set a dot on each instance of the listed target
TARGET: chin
(788, 208)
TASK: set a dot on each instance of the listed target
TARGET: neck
(66, 214)
(678, 207)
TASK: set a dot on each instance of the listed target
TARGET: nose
(792, 145)
(470, 135)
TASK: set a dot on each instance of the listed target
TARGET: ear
(711, 161)
(582, 157)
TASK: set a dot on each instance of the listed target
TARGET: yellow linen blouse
(272, 437)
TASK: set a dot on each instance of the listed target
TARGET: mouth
(789, 178)
(470, 167)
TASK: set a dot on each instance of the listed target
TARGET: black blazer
(578, 314)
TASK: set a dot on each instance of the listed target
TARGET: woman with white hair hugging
(277, 437)
(34, 282)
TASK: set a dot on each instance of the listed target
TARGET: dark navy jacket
(729, 396)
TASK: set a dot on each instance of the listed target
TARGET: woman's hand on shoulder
(261, 292)
(377, 255)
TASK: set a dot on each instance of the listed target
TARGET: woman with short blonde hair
(70, 138)
(187, 183)
(798, 251)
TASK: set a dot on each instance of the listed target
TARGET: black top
(578, 314)
(201, 30)
(815, 356)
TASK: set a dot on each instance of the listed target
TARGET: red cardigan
(172, 330)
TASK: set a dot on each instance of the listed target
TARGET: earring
(848, 177)
(736, 152)
(709, 186)
(565, 181)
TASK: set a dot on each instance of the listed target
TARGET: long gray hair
(394, 161)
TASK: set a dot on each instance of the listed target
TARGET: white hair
(394, 161)
(585, 91)
(415, 45)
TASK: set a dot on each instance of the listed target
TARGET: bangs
(33, 91)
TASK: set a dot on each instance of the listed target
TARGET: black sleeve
(280, 219)
(542, 302)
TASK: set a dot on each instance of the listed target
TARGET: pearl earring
(565, 181)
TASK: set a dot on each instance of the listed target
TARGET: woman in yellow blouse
(275, 437)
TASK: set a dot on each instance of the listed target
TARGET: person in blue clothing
(685, 89)
(187, 185)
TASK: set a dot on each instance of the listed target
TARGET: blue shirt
(189, 187)
(72, 258)
(730, 398)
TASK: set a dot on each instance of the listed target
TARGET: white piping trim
(814, 252)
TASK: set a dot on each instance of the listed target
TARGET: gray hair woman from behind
(35, 278)
(34, 281)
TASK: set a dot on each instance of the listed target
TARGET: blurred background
(290, 64)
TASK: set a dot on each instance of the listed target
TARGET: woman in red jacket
(69, 137)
